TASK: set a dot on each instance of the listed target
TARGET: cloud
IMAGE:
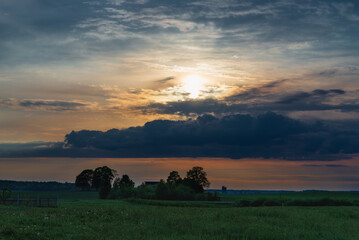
(267, 135)
(326, 165)
(316, 95)
(165, 80)
(256, 92)
(68, 30)
(271, 96)
(190, 107)
(45, 104)
(336, 165)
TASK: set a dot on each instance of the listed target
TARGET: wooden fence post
(57, 201)
(18, 199)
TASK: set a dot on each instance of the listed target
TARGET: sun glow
(193, 85)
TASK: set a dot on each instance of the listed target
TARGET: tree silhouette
(162, 190)
(102, 175)
(84, 179)
(123, 182)
(102, 178)
(197, 179)
(173, 178)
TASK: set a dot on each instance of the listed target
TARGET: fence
(38, 202)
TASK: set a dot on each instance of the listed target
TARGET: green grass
(293, 196)
(114, 219)
(171, 203)
(78, 195)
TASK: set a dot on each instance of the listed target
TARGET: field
(82, 216)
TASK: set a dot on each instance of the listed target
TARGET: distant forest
(36, 186)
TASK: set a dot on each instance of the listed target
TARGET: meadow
(83, 216)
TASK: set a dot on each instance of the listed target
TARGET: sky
(231, 80)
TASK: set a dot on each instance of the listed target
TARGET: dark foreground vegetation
(91, 218)
(296, 202)
(155, 212)
(81, 215)
(104, 180)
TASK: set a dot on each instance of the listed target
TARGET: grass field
(82, 216)
(295, 195)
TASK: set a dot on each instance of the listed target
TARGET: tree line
(105, 181)
(36, 186)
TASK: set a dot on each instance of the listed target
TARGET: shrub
(272, 202)
(182, 192)
(162, 191)
(105, 189)
(242, 203)
(213, 197)
(125, 192)
(257, 202)
(6, 194)
(200, 197)
(145, 192)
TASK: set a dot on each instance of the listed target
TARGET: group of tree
(99, 179)
(190, 187)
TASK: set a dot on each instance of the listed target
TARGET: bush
(5, 194)
(125, 192)
(242, 203)
(162, 191)
(182, 192)
(200, 197)
(145, 192)
(105, 189)
(257, 202)
(114, 194)
(272, 202)
(213, 197)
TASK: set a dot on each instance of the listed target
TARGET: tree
(173, 178)
(6, 194)
(84, 179)
(105, 189)
(162, 190)
(124, 182)
(103, 176)
(197, 179)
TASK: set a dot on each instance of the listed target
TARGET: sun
(193, 84)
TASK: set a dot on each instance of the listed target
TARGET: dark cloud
(326, 165)
(165, 80)
(266, 135)
(328, 73)
(256, 92)
(257, 100)
(56, 104)
(45, 105)
(163, 83)
(316, 95)
(234, 136)
(336, 165)
(190, 107)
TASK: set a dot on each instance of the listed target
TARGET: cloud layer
(234, 136)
